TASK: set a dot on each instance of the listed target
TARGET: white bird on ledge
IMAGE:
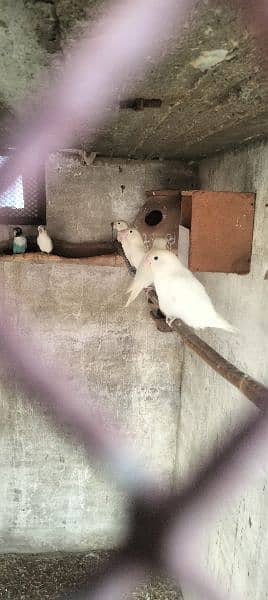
(44, 241)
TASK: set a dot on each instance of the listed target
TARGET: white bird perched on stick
(44, 241)
(180, 294)
(144, 274)
(133, 246)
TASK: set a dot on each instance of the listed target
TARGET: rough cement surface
(234, 547)
(31, 577)
(95, 196)
(82, 200)
(52, 498)
(212, 82)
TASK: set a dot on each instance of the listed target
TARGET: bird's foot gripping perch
(170, 320)
(148, 291)
(160, 320)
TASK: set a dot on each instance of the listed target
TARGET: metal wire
(163, 525)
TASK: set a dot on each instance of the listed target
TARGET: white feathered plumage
(133, 246)
(44, 241)
(145, 275)
(180, 294)
(119, 226)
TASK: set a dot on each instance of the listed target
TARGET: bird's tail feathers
(130, 287)
(133, 295)
(221, 323)
(139, 284)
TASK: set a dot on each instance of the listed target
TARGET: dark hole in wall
(154, 217)
(140, 103)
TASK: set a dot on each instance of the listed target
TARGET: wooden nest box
(216, 226)
(160, 217)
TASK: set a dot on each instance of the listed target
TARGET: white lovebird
(133, 246)
(119, 226)
(180, 294)
(144, 274)
(44, 241)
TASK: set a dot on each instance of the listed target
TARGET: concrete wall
(51, 497)
(235, 549)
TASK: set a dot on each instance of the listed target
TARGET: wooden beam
(108, 260)
(61, 248)
(255, 391)
(82, 249)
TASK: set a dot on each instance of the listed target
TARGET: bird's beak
(113, 231)
(121, 236)
(147, 260)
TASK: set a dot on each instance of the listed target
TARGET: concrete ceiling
(212, 85)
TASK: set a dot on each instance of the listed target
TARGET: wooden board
(221, 230)
(108, 260)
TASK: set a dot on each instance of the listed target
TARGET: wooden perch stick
(103, 254)
(255, 391)
(67, 249)
(105, 260)
(252, 389)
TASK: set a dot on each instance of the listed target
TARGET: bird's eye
(130, 231)
(118, 223)
(155, 257)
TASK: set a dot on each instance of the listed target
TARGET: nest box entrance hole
(159, 217)
(154, 217)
